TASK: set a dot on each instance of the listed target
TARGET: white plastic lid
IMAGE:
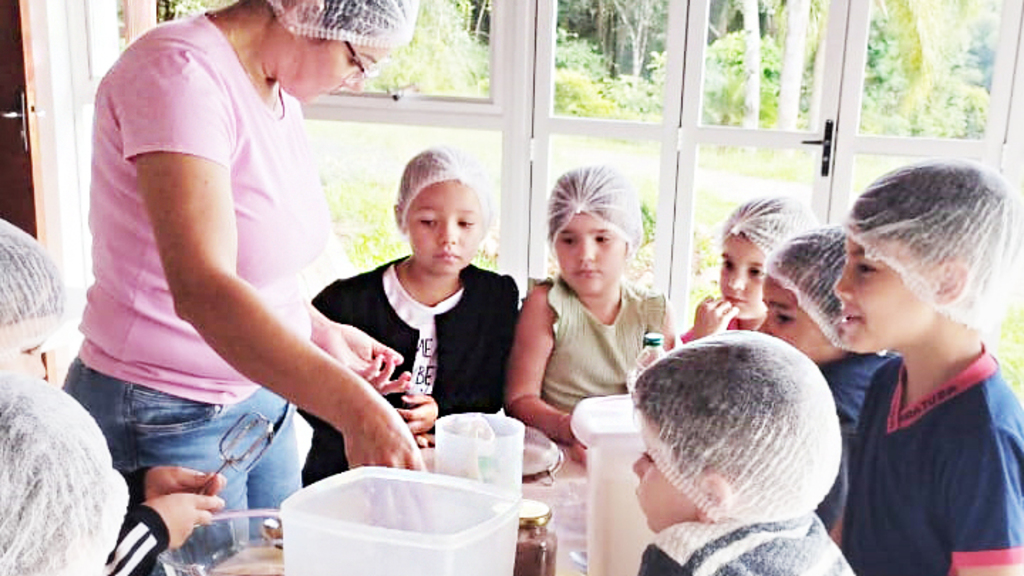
(604, 419)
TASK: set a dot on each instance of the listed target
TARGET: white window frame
(73, 46)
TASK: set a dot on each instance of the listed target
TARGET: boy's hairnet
(442, 164)
(31, 292)
(62, 501)
(768, 222)
(809, 265)
(370, 23)
(601, 191)
(952, 229)
(750, 408)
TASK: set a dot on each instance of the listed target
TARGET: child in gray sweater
(742, 443)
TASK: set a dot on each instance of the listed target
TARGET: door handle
(21, 114)
(826, 147)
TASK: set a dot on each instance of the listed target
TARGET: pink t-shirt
(180, 88)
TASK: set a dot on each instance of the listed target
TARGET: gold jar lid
(533, 513)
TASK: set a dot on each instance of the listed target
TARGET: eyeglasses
(365, 72)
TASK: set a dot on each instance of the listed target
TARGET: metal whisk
(243, 444)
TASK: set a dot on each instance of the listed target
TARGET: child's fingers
(401, 384)
(210, 504)
(414, 400)
(215, 485)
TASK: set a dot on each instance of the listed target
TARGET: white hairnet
(62, 501)
(809, 265)
(370, 23)
(31, 292)
(750, 408)
(443, 164)
(768, 222)
(919, 218)
(600, 191)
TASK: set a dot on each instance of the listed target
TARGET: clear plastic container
(617, 531)
(386, 522)
(495, 458)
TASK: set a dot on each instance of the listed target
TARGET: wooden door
(17, 200)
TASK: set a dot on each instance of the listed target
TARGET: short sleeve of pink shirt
(180, 88)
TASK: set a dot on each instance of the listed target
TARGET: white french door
(698, 157)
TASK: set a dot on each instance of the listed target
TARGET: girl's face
(742, 277)
(445, 227)
(787, 321)
(316, 67)
(591, 255)
(879, 311)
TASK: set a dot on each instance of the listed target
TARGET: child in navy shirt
(804, 311)
(936, 484)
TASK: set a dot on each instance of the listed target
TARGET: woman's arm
(191, 209)
(531, 348)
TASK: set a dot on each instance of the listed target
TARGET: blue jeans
(146, 428)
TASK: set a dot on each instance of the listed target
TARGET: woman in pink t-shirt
(205, 204)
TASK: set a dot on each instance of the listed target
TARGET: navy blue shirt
(936, 486)
(848, 378)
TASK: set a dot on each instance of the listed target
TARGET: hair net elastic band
(369, 23)
(603, 192)
(918, 285)
(443, 164)
(25, 335)
(827, 327)
(615, 229)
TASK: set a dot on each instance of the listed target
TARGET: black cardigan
(473, 343)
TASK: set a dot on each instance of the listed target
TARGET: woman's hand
(713, 316)
(360, 352)
(420, 413)
(384, 439)
(164, 480)
(181, 513)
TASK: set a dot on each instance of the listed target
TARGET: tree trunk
(752, 64)
(797, 19)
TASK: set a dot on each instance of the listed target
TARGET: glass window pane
(610, 59)
(764, 64)
(930, 76)
(1011, 346)
(360, 168)
(727, 177)
(449, 54)
(868, 167)
(1011, 341)
(639, 163)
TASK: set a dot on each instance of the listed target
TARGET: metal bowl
(236, 543)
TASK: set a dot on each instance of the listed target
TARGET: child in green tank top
(579, 334)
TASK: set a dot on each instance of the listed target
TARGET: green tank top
(591, 358)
